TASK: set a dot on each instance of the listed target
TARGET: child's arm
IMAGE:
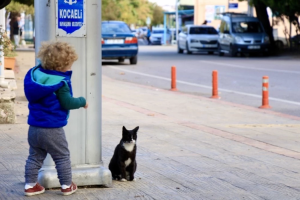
(68, 102)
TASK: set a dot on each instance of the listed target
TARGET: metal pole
(250, 9)
(176, 20)
(165, 29)
(83, 131)
(228, 5)
(2, 28)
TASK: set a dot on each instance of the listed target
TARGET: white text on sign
(70, 14)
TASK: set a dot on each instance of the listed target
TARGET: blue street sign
(70, 15)
(233, 5)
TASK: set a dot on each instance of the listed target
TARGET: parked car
(240, 33)
(157, 36)
(118, 42)
(173, 32)
(296, 40)
(142, 32)
(198, 39)
(134, 32)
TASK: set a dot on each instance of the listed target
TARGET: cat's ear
(124, 130)
(136, 129)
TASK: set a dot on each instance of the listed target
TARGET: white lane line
(204, 86)
(252, 68)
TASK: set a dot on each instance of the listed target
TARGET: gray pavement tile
(176, 159)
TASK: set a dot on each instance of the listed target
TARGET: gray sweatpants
(52, 141)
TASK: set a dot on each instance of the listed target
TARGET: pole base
(81, 176)
(174, 89)
(265, 107)
(215, 97)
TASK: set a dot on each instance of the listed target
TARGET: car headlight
(238, 39)
(194, 41)
(267, 40)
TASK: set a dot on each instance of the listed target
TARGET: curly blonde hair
(57, 56)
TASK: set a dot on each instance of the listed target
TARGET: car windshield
(202, 31)
(247, 27)
(113, 28)
(158, 31)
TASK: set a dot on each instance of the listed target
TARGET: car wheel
(231, 51)
(187, 49)
(220, 52)
(121, 60)
(210, 52)
(279, 44)
(133, 60)
(178, 49)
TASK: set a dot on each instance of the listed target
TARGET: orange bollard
(265, 93)
(173, 79)
(215, 85)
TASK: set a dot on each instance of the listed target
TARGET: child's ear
(136, 129)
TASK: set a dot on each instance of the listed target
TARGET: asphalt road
(240, 79)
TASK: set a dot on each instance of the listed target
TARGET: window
(203, 30)
(247, 27)
(184, 30)
(224, 27)
(113, 28)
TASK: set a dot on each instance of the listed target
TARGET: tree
(158, 15)
(280, 8)
(131, 11)
(26, 2)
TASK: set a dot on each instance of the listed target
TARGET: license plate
(114, 41)
(208, 45)
(253, 47)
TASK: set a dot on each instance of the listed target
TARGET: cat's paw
(134, 179)
(123, 180)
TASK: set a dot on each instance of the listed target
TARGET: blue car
(118, 42)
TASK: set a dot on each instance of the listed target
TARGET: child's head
(58, 56)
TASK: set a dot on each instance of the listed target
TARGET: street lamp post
(176, 20)
(250, 9)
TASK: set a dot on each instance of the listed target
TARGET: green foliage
(7, 45)
(131, 11)
(27, 2)
(158, 15)
(16, 7)
(281, 8)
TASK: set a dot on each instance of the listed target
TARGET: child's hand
(86, 106)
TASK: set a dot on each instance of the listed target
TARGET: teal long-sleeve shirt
(68, 102)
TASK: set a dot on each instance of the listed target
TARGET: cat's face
(129, 136)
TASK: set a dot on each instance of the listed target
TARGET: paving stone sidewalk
(189, 147)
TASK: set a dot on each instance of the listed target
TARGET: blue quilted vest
(40, 86)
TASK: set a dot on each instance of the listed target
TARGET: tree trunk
(262, 15)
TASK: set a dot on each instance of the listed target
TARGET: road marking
(252, 68)
(204, 86)
(263, 126)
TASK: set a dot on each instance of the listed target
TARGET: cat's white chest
(128, 146)
(127, 162)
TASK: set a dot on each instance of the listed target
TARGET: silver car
(195, 38)
(240, 33)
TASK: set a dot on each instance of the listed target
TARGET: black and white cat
(123, 164)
